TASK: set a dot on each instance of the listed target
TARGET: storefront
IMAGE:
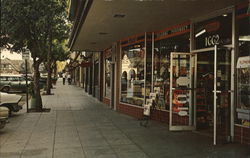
(242, 121)
(194, 75)
(199, 71)
(214, 90)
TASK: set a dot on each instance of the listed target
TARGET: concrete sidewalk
(78, 126)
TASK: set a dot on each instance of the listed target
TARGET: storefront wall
(242, 121)
(97, 70)
(107, 58)
(219, 30)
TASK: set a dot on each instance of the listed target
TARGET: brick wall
(242, 134)
(157, 115)
(133, 111)
(106, 101)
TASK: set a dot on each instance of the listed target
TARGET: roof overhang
(102, 22)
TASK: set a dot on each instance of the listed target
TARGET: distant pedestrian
(69, 79)
(64, 77)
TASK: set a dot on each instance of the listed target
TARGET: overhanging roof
(100, 28)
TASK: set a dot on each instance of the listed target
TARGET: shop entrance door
(212, 94)
(181, 106)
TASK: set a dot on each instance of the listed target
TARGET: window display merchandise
(161, 75)
(243, 71)
(181, 84)
(107, 77)
(132, 77)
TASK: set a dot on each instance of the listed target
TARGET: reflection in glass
(243, 73)
(132, 75)
(107, 77)
(162, 51)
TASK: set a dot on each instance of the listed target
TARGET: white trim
(233, 74)
(215, 93)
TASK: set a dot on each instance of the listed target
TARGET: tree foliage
(32, 25)
(26, 24)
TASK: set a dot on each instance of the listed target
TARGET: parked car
(10, 101)
(42, 81)
(4, 112)
(12, 83)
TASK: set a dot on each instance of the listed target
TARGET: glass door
(213, 93)
(181, 106)
(222, 94)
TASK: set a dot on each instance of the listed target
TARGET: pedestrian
(69, 79)
(64, 77)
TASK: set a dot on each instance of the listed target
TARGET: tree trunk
(49, 79)
(55, 69)
(38, 97)
(49, 68)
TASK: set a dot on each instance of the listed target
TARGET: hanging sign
(26, 55)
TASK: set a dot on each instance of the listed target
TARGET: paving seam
(54, 138)
(107, 142)
(128, 136)
(30, 135)
(2, 144)
(85, 155)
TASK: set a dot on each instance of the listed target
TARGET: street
(79, 126)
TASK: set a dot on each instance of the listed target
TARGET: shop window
(243, 68)
(108, 77)
(161, 77)
(132, 74)
(96, 74)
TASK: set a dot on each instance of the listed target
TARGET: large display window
(132, 77)
(107, 77)
(243, 68)
(171, 40)
(107, 74)
(136, 66)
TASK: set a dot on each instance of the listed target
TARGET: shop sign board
(213, 31)
(173, 31)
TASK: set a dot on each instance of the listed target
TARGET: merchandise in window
(161, 78)
(132, 74)
(107, 77)
(243, 69)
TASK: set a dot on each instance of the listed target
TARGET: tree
(27, 24)
(59, 53)
(59, 32)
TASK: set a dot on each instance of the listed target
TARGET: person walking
(69, 79)
(64, 77)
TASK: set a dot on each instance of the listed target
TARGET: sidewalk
(78, 126)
